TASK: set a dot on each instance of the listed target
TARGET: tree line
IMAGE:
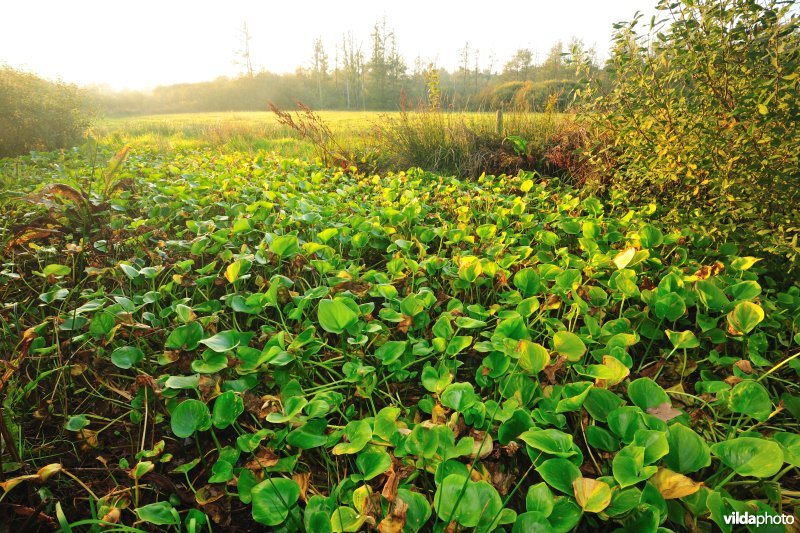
(351, 76)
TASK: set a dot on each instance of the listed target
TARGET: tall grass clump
(449, 141)
(467, 144)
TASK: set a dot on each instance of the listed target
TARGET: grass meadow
(260, 131)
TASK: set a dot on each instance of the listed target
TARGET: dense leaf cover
(232, 341)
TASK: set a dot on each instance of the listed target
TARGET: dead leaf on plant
(302, 478)
(395, 521)
(390, 486)
(664, 412)
(265, 457)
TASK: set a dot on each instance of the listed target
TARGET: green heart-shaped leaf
(190, 416)
(358, 434)
(749, 456)
(335, 315)
(272, 499)
(227, 408)
(126, 356)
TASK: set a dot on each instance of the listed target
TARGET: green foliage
(273, 499)
(315, 348)
(37, 114)
(702, 115)
(750, 456)
(190, 416)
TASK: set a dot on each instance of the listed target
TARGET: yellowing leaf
(618, 370)
(623, 258)
(592, 495)
(673, 485)
(744, 317)
(361, 498)
(48, 470)
(14, 481)
(232, 272)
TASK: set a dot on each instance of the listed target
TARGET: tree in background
(553, 66)
(320, 69)
(386, 69)
(353, 72)
(369, 75)
(244, 58)
(520, 66)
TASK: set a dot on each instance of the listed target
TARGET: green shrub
(37, 114)
(703, 111)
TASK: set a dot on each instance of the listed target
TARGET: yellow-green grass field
(261, 131)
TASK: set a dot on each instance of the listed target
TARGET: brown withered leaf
(28, 235)
(550, 370)
(404, 324)
(25, 511)
(252, 403)
(60, 190)
(302, 479)
(703, 273)
(208, 494)
(265, 457)
(215, 503)
(511, 448)
(144, 380)
(652, 370)
(269, 404)
(553, 301)
(88, 438)
(395, 521)
(170, 356)
(664, 411)
(438, 415)
(744, 365)
(117, 390)
(357, 288)
(209, 386)
(390, 486)
(732, 380)
(219, 512)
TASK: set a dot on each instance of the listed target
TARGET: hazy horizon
(180, 42)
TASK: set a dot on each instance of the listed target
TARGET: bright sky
(147, 43)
